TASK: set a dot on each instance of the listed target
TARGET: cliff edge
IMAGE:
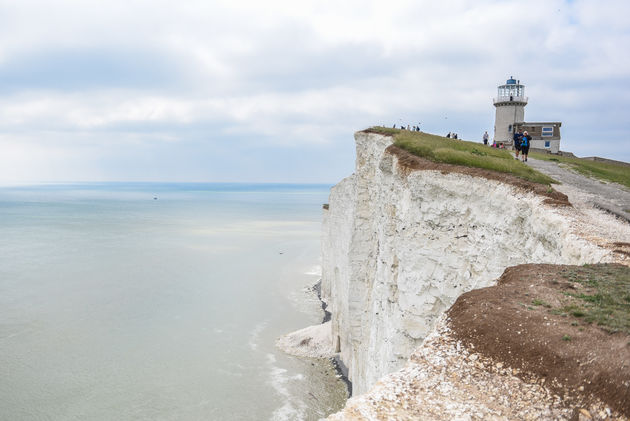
(404, 237)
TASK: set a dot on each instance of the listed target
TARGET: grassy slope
(601, 295)
(459, 152)
(601, 170)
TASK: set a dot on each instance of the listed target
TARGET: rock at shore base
(313, 341)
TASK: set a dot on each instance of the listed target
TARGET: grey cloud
(291, 59)
(92, 68)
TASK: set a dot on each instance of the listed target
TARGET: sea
(160, 301)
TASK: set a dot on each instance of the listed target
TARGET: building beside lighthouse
(510, 105)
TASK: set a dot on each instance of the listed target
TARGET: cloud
(118, 90)
(82, 69)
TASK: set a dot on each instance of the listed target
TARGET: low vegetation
(538, 302)
(460, 152)
(600, 170)
(598, 294)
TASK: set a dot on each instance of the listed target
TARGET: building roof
(538, 123)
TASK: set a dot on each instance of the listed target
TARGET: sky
(272, 91)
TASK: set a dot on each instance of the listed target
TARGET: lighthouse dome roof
(511, 81)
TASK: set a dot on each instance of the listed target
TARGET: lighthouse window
(547, 131)
(547, 144)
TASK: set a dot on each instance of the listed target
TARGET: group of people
(522, 142)
(494, 143)
(410, 128)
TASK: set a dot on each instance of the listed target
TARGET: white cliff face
(400, 246)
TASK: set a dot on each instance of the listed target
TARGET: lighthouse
(510, 105)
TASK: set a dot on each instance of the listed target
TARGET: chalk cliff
(400, 245)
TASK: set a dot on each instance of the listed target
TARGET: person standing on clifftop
(518, 137)
(525, 143)
(485, 138)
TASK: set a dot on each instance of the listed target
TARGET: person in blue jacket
(518, 136)
(525, 144)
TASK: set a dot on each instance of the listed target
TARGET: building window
(547, 144)
(510, 128)
(547, 131)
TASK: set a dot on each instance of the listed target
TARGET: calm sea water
(159, 302)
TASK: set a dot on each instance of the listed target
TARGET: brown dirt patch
(518, 324)
(622, 248)
(410, 161)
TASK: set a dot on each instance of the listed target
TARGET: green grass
(600, 170)
(460, 152)
(538, 302)
(602, 296)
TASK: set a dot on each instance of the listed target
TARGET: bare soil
(517, 323)
(412, 162)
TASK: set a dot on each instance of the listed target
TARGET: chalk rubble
(313, 341)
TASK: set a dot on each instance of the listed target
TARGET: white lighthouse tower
(510, 104)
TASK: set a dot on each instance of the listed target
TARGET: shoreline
(318, 290)
(315, 342)
(340, 367)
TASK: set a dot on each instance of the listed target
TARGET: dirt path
(587, 192)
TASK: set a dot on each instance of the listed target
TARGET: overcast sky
(272, 91)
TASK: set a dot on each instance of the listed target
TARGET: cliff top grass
(600, 294)
(602, 170)
(460, 152)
